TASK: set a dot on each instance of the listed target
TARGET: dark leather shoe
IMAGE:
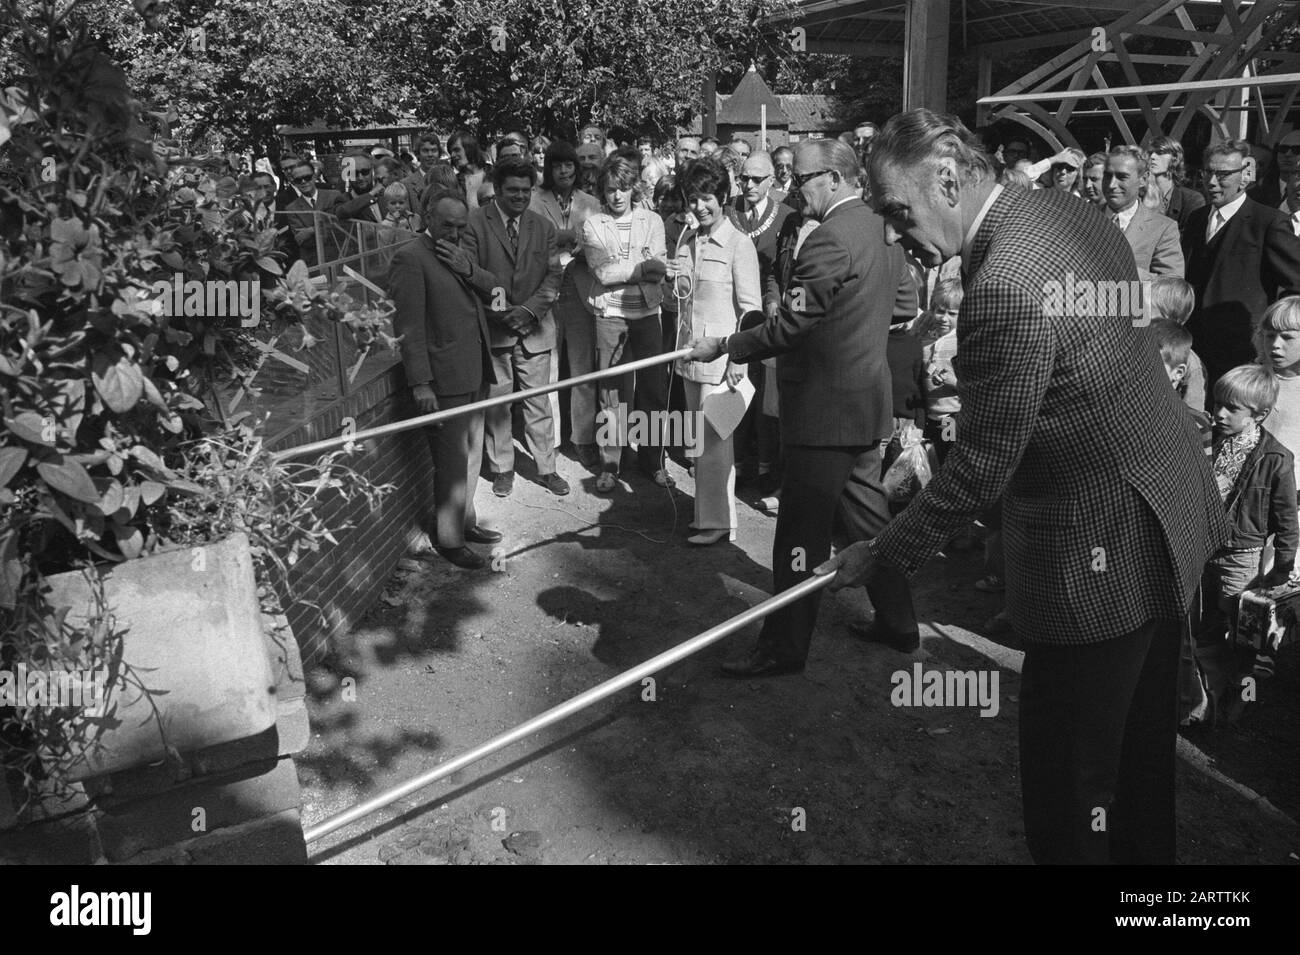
(758, 663)
(872, 633)
(554, 483)
(588, 455)
(481, 535)
(503, 483)
(462, 557)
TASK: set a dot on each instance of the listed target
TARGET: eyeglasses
(303, 178)
(753, 179)
(1288, 150)
(1222, 174)
(801, 181)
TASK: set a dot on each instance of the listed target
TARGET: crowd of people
(794, 275)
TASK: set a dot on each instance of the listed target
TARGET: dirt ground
(818, 767)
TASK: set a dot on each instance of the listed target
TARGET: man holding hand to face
(444, 341)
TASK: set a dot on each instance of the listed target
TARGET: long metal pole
(569, 707)
(316, 447)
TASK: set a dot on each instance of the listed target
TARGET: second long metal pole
(328, 444)
(566, 709)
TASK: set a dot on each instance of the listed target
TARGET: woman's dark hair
(558, 151)
(666, 192)
(469, 142)
(704, 177)
(617, 173)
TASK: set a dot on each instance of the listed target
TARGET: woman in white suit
(624, 248)
(716, 277)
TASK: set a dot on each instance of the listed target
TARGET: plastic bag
(911, 469)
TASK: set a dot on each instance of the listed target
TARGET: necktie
(513, 231)
(1215, 224)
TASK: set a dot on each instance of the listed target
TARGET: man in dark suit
(1241, 257)
(361, 200)
(517, 273)
(1109, 507)
(447, 363)
(305, 219)
(836, 408)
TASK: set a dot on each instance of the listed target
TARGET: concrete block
(194, 630)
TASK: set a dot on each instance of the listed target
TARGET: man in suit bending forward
(1109, 507)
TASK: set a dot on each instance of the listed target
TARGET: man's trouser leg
(457, 449)
(863, 513)
(498, 435)
(1097, 739)
(534, 371)
(811, 489)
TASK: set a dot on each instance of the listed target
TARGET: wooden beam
(1148, 89)
(1172, 33)
(925, 62)
(1059, 38)
(861, 48)
(1148, 10)
(983, 86)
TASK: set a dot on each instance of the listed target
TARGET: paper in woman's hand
(723, 408)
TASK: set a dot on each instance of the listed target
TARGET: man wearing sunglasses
(1271, 188)
(1241, 256)
(761, 217)
(306, 212)
(830, 339)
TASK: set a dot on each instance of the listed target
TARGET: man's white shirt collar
(1231, 209)
(1125, 216)
(505, 219)
(975, 226)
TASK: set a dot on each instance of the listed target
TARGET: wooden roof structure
(1225, 48)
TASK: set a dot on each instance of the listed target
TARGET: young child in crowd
(1175, 344)
(937, 329)
(397, 209)
(1256, 479)
(1173, 299)
(1277, 342)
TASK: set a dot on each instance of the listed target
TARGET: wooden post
(983, 87)
(925, 55)
(709, 120)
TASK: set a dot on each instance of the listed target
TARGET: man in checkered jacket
(1110, 510)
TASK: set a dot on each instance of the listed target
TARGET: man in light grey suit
(1154, 238)
(517, 274)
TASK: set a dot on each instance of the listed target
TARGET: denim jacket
(1263, 502)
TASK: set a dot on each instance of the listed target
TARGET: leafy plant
(116, 443)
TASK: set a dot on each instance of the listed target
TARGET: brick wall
(347, 579)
